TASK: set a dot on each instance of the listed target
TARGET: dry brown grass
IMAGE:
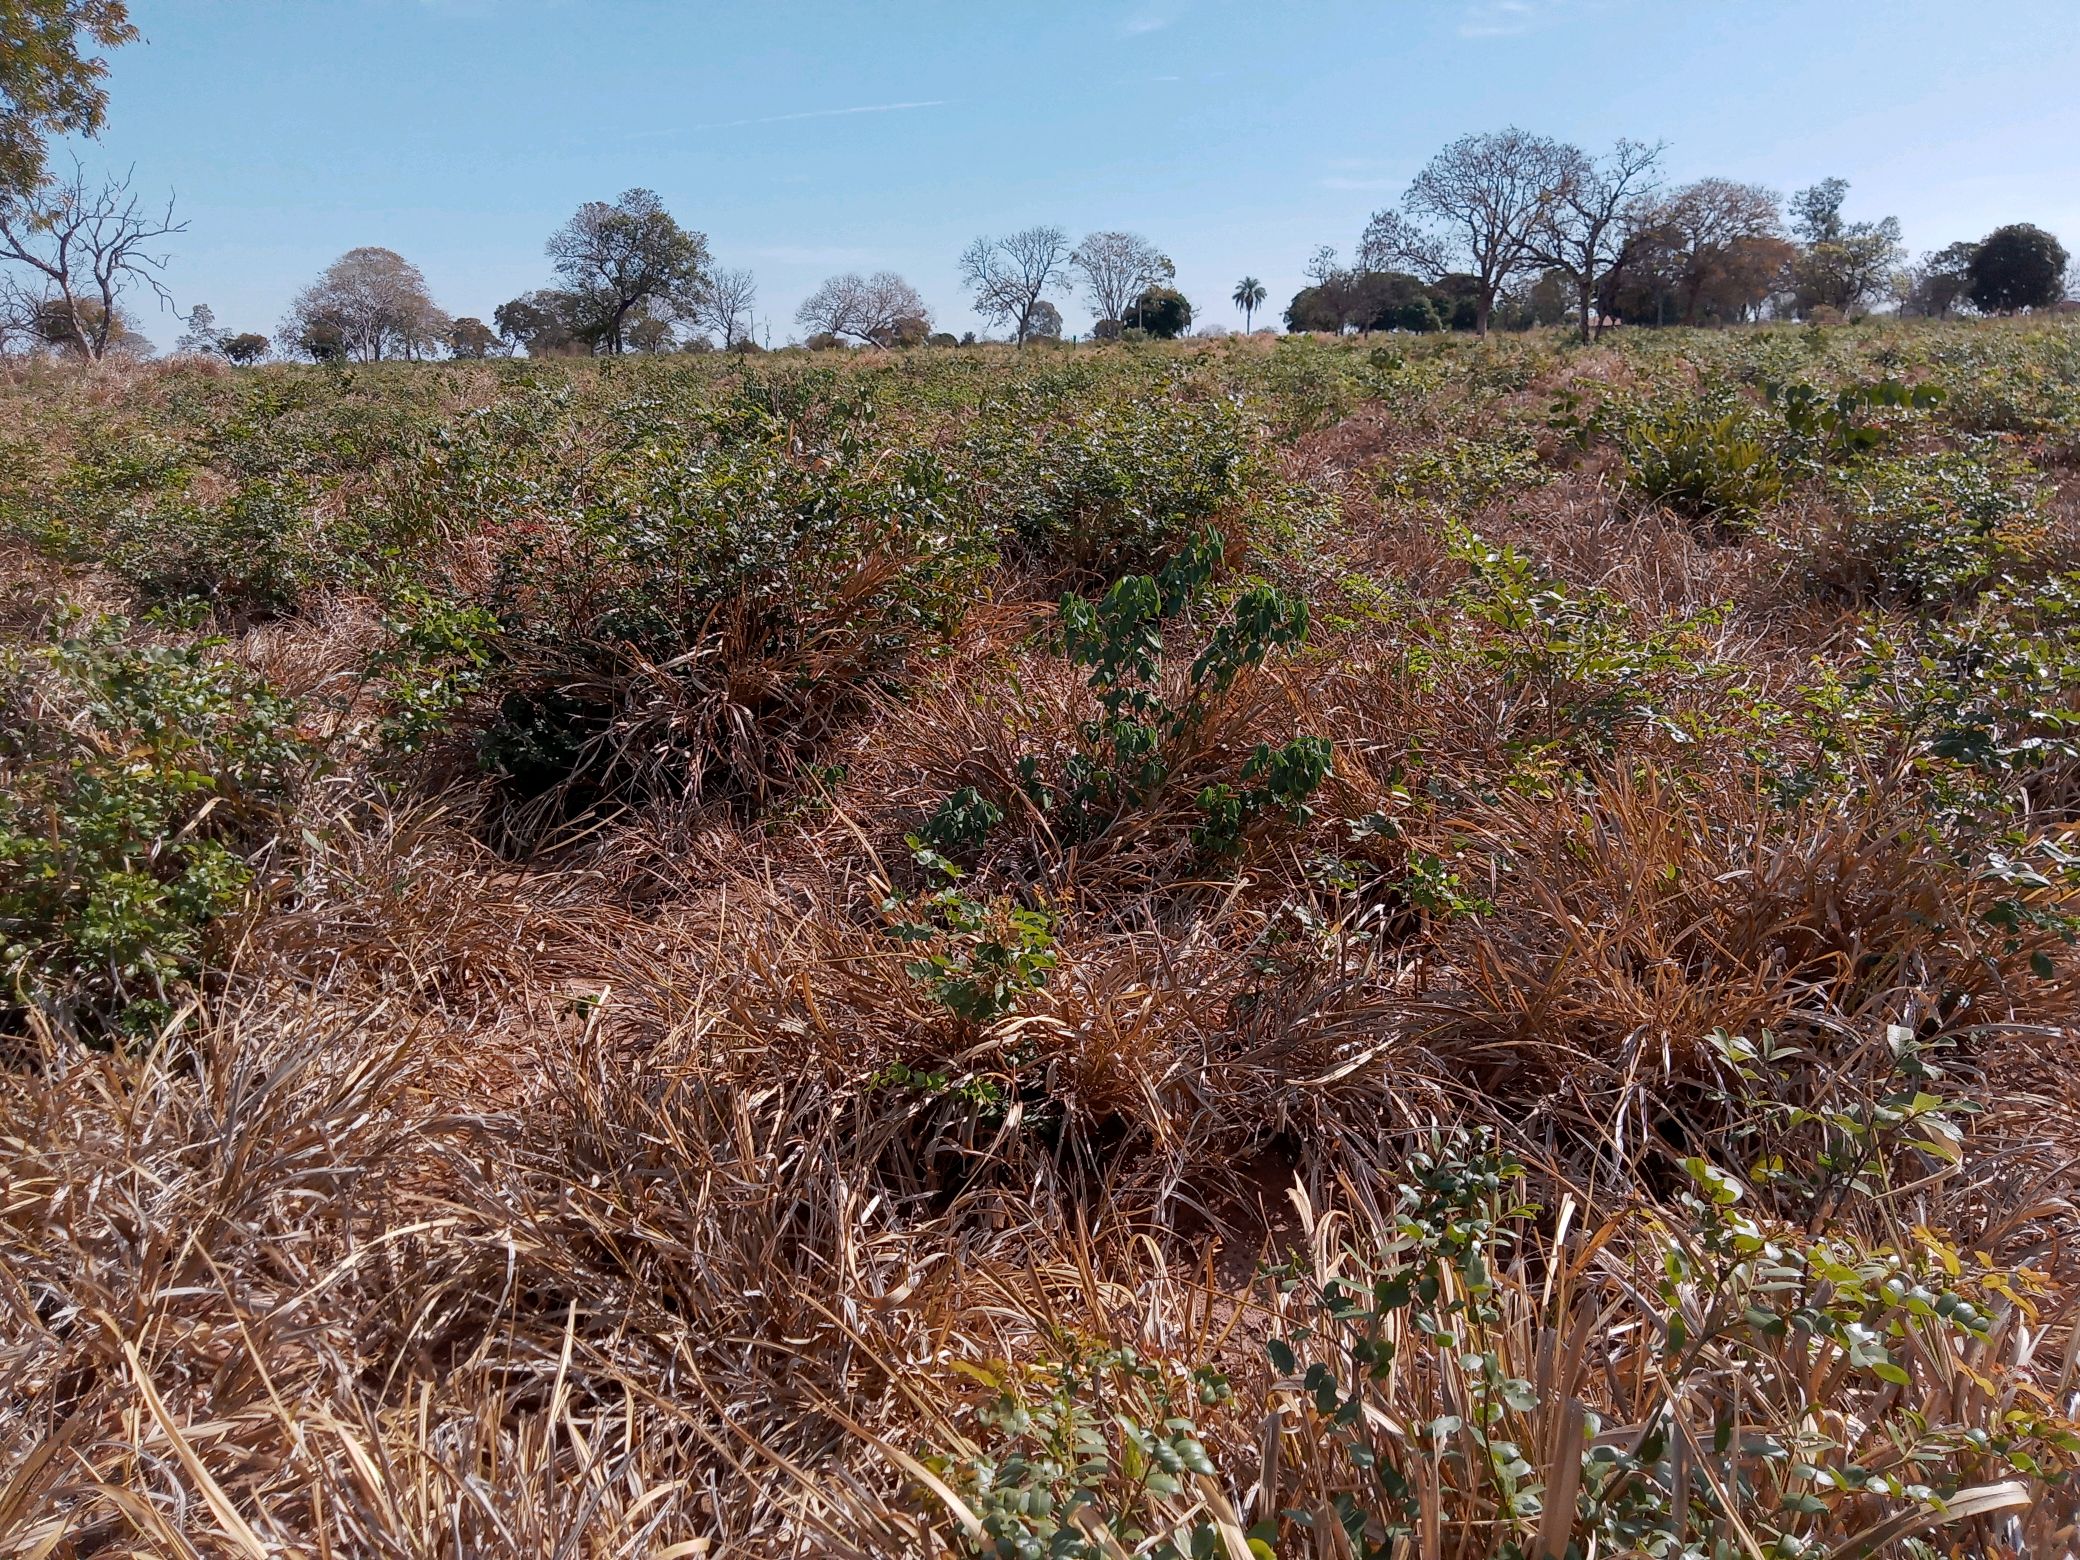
(574, 1203)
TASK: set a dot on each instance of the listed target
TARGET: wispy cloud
(1151, 16)
(807, 113)
(1501, 18)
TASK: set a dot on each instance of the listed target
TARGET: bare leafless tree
(1390, 242)
(369, 304)
(82, 247)
(879, 310)
(1475, 207)
(725, 305)
(1011, 275)
(1118, 268)
(1583, 232)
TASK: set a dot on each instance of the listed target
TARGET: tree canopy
(1843, 263)
(2016, 267)
(881, 310)
(1011, 277)
(1117, 268)
(1477, 206)
(629, 258)
(50, 84)
(1163, 312)
(369, 304)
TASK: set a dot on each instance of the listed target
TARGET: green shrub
(694, 615)
(1129, 753)
(137, 787)
(1575, 664)
(1704, 466)
(976, 956)
(1103, 486)
(1465, 473)
(1926, 531)
(1727, 1387)
(1830, 429)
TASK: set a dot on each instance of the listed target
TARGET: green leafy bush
(1824, 429)
(1725, 1387)
(1106, 486)
(1086, 1454)
(1926, 531)
(694, 616)
(976, 956)
(137, 788)
(1709, 467)
(1575, 662)
(1128, 753)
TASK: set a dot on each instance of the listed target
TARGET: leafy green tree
(321, 340)
(1547, 298)
(49, 85)
(1163, 312)
(470, 337)
(629, 260)
(1369, 300)
(1045, 322)
(201, 337)
(85, 330)
(651, 334)
(1249, 296)
(247, 346)
(1458, 300)
(2016, 267)
(1939, 282)
(1843, 263)
(545, 323)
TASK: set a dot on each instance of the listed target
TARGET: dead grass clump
(1629, 932)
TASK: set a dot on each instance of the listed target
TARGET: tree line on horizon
(1498, 230)
(1515, 229)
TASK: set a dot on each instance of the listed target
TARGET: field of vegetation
(1383, 947)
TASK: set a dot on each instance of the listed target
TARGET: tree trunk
(1482, 311)
(1588, 291)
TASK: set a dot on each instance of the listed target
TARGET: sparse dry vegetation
(1307, 949)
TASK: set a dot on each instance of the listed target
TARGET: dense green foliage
(137, 784)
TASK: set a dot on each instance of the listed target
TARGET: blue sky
(806, 137)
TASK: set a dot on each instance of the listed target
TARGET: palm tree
(1249, 292)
